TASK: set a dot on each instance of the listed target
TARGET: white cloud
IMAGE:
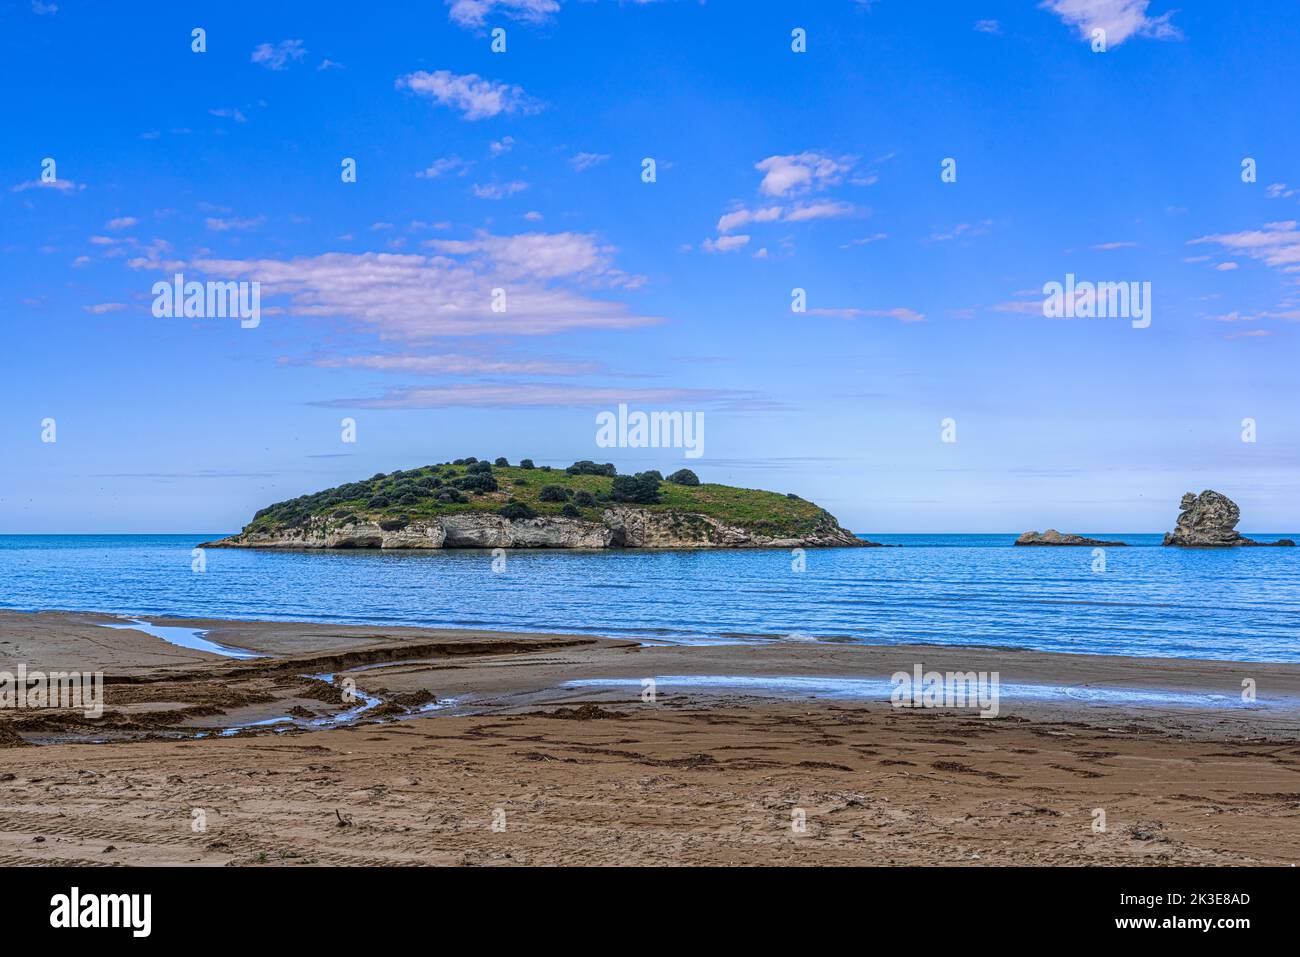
(474, 13)
(802, 212)
(458, 364)
(219, 225)
(988, 26)
(806, 211)
(121, 222)
(474, 96)
(724, 244)
(154, 258)
(503, 145)
(58, 185)
(962, 229)
(798, 173)
(44, 9)
(899, 313)
(743, 217)
(1120, 19)
(1104, 247)
(101, 308)
(865, 240)
(785, 175)
(1026, 307)
(1276, 244)
(540, 256)
(547, 278)
(440, 167)
(533, 395)
(278, 56)
(585, 161)
(230, 114)
(499, 190)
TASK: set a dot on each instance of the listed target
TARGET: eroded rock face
(323, 533)
(619, 527)
(485, 530)
(1053, 537)
(1209, 520)
(637, 528)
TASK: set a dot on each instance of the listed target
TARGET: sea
(1238, 604)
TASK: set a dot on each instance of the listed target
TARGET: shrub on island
(554, 493)
(476, 482)
(516, 511)
(640, 489)
(588, 467)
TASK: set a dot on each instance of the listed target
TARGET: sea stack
(1209, 520)
(1053, 537)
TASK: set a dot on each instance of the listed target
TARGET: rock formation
(1053, 537)
(1209, 520)
(620, 527)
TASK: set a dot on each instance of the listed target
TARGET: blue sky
(776, 170)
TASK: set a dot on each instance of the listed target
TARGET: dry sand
(700, 776)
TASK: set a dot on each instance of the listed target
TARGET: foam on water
(881, 688)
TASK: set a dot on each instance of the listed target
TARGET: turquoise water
(1241, 604)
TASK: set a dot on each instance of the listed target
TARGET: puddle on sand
(191, 638)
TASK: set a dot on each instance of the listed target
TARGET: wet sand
(589, 775)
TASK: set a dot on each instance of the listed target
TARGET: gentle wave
(1237, 604)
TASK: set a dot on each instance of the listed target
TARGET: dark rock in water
(1209, 520)
(1053, 537)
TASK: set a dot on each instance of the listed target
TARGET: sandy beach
(443, 746)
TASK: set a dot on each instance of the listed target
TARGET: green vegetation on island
(582, 491)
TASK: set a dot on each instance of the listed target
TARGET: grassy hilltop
(582, 491)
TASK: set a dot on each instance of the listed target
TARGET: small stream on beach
(196, 640)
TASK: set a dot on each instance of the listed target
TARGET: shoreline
(647, 637)
(756, 655)
(173, 678)
(594, 774)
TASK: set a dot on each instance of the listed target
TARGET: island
(475, 503)
(1053, 537)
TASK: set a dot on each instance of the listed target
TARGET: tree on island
(588, 467)
(639, 489)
